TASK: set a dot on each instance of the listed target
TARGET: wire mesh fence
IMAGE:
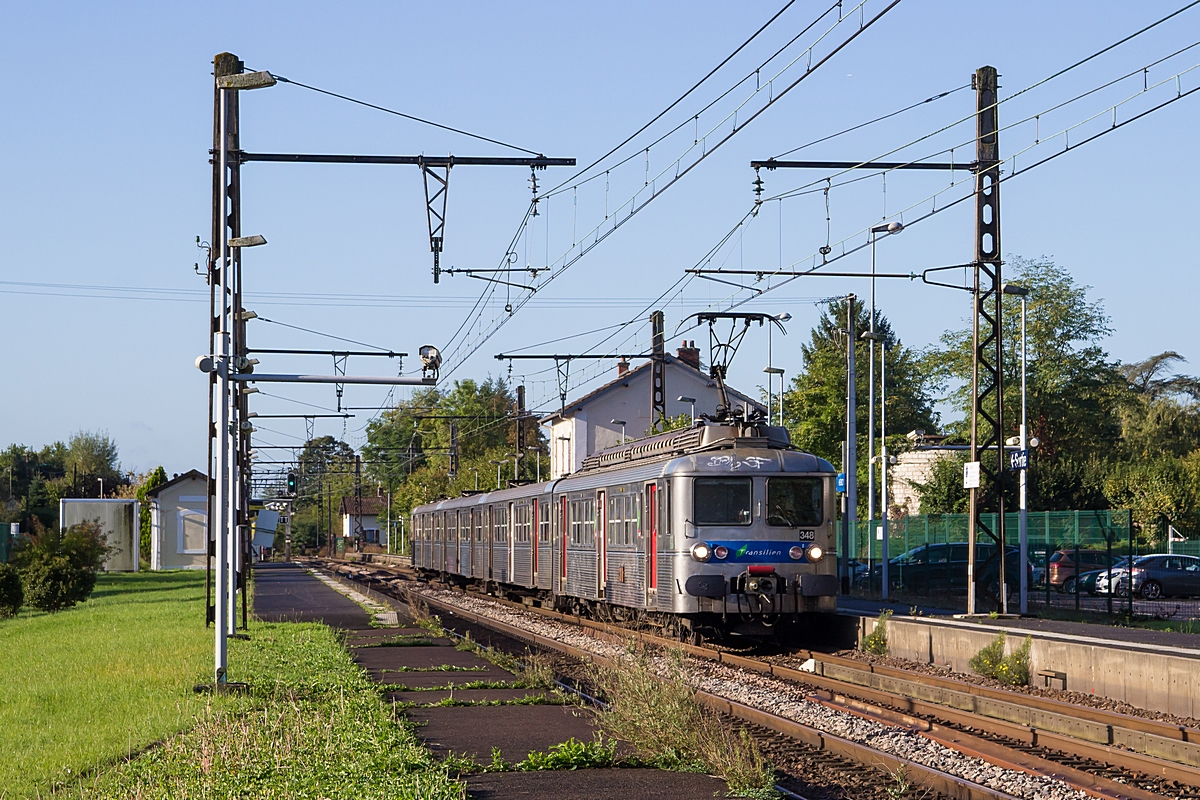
(1089, 562)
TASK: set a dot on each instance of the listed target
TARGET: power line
(621, 216)
(282, 79)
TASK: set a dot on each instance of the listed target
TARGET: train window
(544, 524)
(794, 502)
(631, 519)
(615, 506)
(500, 515)
(722, 501)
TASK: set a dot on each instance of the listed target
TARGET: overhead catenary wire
(582, 379)
(655, 191)
(411, 117)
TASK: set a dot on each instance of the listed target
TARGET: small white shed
(119, 522)
(179, 522)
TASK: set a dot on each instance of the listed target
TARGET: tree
(1073, 387)
(814, 407)
(93, 455)
(153, 480)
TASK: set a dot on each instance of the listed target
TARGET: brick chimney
(689, 354)
(622, 368)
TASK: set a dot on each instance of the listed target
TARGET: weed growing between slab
(571, 754)
(651, 706)
(875, 643)
(313, 725)
(1012, 670)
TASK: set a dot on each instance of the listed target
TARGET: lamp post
(779, 318)
(883, 549)
(101, 488)
(516, 458)
(620, 422)
(225, 502)
(888, 228)
(1023, 515)
(499, 462)
(476, 471)
(771, 373)
(692, 400)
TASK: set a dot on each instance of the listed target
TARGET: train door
(534, 539)
(489, 537)
(601, 543)
(511, 535)
(562, 535)
(650, 535)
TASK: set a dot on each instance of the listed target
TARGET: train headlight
(796, 553)
(701, 551)
(721, 552)
(815, 554)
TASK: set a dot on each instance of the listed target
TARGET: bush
(1012, 670)
(875, 642)
(58, 568)
(12, 597)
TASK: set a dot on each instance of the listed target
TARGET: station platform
(1148, 669)
(1180, 643)
(493, 710)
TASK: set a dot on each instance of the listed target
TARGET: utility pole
(850, 518)
(658, 380)
(987, 427)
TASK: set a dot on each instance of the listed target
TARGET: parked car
(1063, 569)
(1037, 565)
(1088, 581)
(942, 568)
(1156, 576)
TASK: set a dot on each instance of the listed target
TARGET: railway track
(1090, 750)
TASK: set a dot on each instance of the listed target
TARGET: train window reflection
(722, 501)
(794, 502)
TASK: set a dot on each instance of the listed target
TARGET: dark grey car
(1165, 576)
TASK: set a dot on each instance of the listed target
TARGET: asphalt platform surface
(430, 670)
(287, 593)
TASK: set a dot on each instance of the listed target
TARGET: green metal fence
(1102, 537)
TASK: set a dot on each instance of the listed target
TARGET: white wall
(591, 429)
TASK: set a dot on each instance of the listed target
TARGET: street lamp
(888, 228)
(476, 471)
(1023, 517)
(780, 318)
(499, 462)
(620, 422)
(770, 372)
(692, 400)
(883, 550)
(516, 457)
(101, 488)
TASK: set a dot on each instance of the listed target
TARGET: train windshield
(722, 501)
(794, 502)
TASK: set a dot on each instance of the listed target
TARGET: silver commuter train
(719, 529)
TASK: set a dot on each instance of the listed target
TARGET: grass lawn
(98, 703)
(100, 680)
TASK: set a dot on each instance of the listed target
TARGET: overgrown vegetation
(58, 568)
(314, 725)
(12, 596)
(1012, 670)
(875, 643)
(653, 709)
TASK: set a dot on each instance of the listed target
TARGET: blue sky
(108, 123)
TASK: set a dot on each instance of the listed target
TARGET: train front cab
(754, 546)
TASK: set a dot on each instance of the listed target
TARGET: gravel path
(784, 699)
